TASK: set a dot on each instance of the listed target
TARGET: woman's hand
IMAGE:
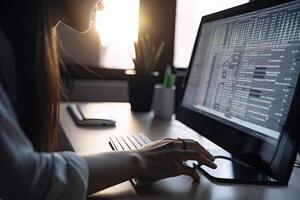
(154, 161)
(165, 158)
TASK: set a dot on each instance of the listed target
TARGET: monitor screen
(245, 68)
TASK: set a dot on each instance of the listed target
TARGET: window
(188, 17)
(118, 27)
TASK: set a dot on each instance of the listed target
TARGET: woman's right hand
(164, 158)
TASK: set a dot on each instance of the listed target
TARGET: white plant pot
(163, 102)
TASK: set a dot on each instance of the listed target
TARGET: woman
(30, 90)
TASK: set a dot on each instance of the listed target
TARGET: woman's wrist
(111, 168)
(137, 161)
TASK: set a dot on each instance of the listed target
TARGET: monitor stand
(232, 170)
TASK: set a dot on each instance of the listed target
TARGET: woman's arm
(154, 161)
(108, 169)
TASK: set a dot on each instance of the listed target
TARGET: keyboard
(128, 142)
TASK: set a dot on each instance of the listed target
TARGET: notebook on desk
(84, 115)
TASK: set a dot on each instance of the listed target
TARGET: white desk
(95, 140)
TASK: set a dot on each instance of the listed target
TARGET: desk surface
(95, 140)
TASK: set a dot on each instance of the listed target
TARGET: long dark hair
(28, 28)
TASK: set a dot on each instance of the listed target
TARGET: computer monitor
(242, 90)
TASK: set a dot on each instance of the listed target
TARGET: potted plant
(141, 83)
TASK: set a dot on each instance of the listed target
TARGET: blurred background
(96, 61)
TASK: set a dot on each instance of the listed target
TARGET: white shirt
(27, 174)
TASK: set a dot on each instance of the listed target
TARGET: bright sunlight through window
(118, 27)
(188, 16)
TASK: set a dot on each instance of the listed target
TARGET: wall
(158, 20)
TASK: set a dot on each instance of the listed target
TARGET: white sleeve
(70, 178)
(27, 174)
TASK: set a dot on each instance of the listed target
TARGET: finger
(161, 145)
(167, 139)
(183, 155)
(204, 151)
(196, 146)
(173, 143)
(177, 143)
(170, 143)
(190, 172)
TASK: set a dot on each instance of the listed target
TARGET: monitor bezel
(234, 140)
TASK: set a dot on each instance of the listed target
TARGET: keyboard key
(136, 144)
(123, 143)
(115, 144)
(129, 143)
(138, 139)
(144, 138)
